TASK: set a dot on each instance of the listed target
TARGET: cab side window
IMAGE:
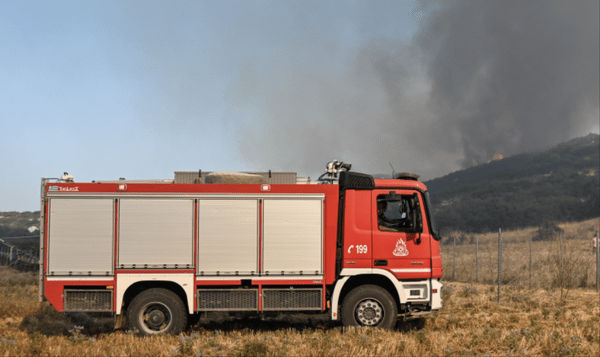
(393, 214)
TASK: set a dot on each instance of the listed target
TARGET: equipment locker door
(395, 248)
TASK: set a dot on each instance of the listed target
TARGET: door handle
(381, 263)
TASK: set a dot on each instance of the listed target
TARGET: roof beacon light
(66, 177)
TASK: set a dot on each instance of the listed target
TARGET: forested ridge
(560, 184)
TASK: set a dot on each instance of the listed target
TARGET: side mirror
(416, 217)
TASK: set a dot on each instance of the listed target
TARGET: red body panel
(217, 282)
(411, 184)
(54, 289)
(357, 230)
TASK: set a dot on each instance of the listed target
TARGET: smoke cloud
(478, 78)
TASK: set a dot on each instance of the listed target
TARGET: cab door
(400, 244)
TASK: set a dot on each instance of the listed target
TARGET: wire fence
(20, 255)
(562, 262)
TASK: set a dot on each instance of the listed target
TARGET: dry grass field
(558, 320)
(576, 267)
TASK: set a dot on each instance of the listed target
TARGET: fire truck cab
(158, 254)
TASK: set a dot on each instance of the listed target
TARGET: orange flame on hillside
(497, 156)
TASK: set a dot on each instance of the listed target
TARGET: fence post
(499, 262)
(530, 262)
(562, 268)
(454, 261)
(597, 262)
(477, 259)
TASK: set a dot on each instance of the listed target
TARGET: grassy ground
(552, 318)
(525, 323)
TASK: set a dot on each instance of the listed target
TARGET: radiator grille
(88, 300)
(292, 299)
(227, 300)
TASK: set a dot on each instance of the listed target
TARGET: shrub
(547, 231)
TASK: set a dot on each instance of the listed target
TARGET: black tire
(369, 305)
(193, 319)
(157, 311)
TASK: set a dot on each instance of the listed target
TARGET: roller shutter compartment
(80, 237)
(155, 233)
(228, 237)
(293, 237)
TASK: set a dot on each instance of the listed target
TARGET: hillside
(559, 184)
(18, 224)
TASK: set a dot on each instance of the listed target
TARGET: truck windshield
(434, 229)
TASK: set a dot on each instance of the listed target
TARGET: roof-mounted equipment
(406, 176)
(67, 178)
(332, 169)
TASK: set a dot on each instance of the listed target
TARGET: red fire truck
(159, 253)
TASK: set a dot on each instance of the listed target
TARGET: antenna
(393, 170)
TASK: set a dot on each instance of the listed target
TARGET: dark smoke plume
(511, 76)
(478, 78)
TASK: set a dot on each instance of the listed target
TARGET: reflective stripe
(423, 270)
(80, 278)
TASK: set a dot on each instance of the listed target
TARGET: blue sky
(89, 87)
(140, 89)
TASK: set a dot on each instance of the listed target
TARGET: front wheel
(157, 311)
(369, 305)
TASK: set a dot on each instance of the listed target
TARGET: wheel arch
(136, 288)
(356, 277)
(128, 287)
(371, 279)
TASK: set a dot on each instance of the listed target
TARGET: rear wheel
(156, 311)
(369, 305)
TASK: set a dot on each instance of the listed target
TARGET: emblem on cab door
(401, 250)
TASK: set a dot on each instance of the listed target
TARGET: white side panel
(293, 236)
(156, 232)
(185, 280)
(339, 284)
(81, 237)
(228, 237)
(401, 286)
(436, 299)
